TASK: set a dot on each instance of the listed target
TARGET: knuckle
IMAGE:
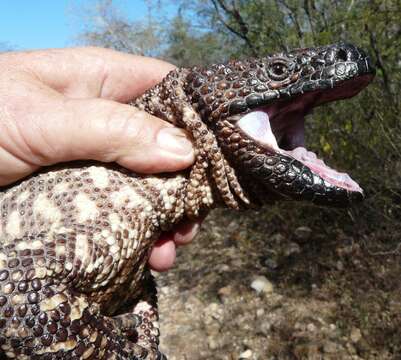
(125, 124)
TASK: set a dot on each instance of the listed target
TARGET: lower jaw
(318, 167)
(281, 177)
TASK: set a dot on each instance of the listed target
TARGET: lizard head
(257, 108)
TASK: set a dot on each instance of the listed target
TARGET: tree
(106, 27)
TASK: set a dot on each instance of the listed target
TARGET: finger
(54, 129)
(111, 132)
(92, 72)
(107, 131)
(163, 254)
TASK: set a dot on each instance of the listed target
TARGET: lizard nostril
(342, 55)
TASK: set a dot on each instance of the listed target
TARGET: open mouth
(279, 128)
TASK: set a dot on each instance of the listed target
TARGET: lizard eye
(278, 70)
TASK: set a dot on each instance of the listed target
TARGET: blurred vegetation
(361, 136)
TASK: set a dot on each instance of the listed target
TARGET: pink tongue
(318, 166)
(256, 124)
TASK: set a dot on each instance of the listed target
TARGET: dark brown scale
(42, 318)
(65, 321)
(52, 327)
(35, 309)
(30, 321)
(61, 334)
(15, 322)
(8, 311)
(274, 85)
(15, 343)
(33, 297)
(244, 92)
(46, 339)
(223, 85)
(37, 330)
(25, 252)
(37, 252)
(204, 90)
(10, 248)
(210, 99)
(27, 262)
(22, 310)
(235, 137)
(230, 95)
(65, 308)
(75, 327)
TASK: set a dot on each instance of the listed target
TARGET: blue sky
(34, 24)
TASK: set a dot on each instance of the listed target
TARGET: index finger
(92, 72)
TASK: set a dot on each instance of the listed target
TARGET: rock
(339, 265)
(212, 343)
(330, 347)
(303, 233)
(265, 328)
(307, 351)
(350, 348)
(356, 335)
(247, 354)
(213, 312)
(278, 238)
(261, 285)
(224, 293)
(311, 327)
(224, 268)
(270, 263)
(165, 290)
(292, 248)
(260, 312)
(314, 286)
(298, 326)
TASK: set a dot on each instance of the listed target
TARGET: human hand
(67, 104)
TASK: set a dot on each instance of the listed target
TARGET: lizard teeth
(256, 125)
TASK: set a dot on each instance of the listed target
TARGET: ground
(317, 298)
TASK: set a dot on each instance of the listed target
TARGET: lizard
(75, 237)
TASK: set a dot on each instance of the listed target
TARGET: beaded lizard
(75, 238)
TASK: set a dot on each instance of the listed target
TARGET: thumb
(108, 131)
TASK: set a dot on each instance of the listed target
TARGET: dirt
(319, 296)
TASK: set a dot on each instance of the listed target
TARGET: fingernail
(174, 140)
(186, 233)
